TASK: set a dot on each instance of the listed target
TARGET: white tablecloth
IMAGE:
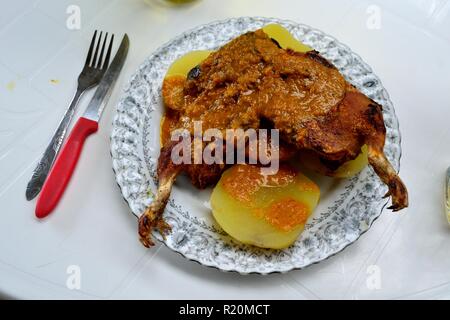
(92, 234)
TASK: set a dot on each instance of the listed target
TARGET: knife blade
(65, 163)
(95, 108)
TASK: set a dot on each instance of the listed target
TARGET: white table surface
(409, 252)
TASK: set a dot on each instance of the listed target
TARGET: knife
(66, 161)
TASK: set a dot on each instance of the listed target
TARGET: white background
(92, 227)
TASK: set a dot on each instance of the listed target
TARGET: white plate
(347, 207)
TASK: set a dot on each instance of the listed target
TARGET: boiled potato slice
(268, 211)
(353, 167)
(284, 38)
(347, 170)
(184, 64)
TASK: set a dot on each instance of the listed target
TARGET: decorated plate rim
(266, 20)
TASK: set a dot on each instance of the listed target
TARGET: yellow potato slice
(347, 170)
(284, 38)
(184, 64)
(265, 211)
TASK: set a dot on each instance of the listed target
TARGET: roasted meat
(252, 80)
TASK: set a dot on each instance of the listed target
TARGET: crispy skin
(204, 175)
(251, 79)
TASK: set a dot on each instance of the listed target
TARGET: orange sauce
(175, 75)
(286, 214)
(243, 181)
(179, 69)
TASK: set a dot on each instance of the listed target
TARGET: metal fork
(93, 71)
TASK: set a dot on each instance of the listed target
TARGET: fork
(93, 71)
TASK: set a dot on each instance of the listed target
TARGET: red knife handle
(64, 165)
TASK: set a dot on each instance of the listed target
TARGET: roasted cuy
(250, 80)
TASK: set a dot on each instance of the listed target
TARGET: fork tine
(91, 47)
(108, 54)
(100, 58)
(94, 60)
